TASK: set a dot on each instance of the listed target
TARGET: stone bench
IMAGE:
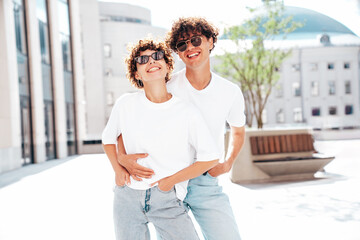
(278, 155)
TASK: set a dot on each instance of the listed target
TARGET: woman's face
(154, 69)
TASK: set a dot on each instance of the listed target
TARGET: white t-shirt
(220, 102)
(170, 132)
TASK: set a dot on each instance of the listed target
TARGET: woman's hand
(165, 184)
(122, 177)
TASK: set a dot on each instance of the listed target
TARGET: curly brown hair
(196, 25)
(143, 45)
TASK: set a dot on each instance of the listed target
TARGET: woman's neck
(156, 91)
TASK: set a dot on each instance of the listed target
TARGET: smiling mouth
(153, 69)
(193, 55)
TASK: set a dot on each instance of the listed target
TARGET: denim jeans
(211, 209)
(134, 209)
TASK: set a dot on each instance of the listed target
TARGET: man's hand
(219, 169)
(165, 184)
(129, 161)
(122, 177)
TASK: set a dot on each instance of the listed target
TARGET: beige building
(41, 83)
(62, 68)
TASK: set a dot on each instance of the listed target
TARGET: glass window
(315, 111)
(347, 87)
(347, 65)
(332, 110)
(264, 116)
(110, 98)
(332, 89)
(41, 13)
(107, 50)
(295, 67)
(19, 21)
(313, 66)
(331, 66)
(296, 89)
(278, 90)
(314, 88)
(298, 115)
(280, 116)
(348, 109)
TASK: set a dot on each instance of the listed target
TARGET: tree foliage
(253, 65)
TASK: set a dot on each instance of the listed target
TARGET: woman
(171, 131)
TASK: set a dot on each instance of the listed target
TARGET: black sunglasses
(182, 45)
(145, 58)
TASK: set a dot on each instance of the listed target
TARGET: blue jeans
(211, 209)
(134, 209)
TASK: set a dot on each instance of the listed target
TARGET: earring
(140, 83)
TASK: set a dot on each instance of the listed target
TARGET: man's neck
(199, 78)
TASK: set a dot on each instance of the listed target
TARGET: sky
(231, 12)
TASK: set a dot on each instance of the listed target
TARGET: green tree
(253, 65)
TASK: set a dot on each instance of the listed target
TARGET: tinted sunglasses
(145, 58)
(182, 45)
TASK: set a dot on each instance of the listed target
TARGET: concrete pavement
(72, 199)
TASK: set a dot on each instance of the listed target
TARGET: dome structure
(315, 24)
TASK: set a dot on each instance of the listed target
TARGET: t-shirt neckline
(206, 89)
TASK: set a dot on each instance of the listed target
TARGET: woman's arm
(121, 175)
(193, 171)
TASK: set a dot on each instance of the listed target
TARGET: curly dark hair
(195, 25)
(143, 45)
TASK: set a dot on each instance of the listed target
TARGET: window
(264, 116)
(315, 112)
(332, 110)
(314, 88)
(108, 72)
(331, 88)
(348, 109)
(110, 98)
(347, 65)
(313, 67)
(298, 115)
(107, 50)
(347, 87)
(279, 91)
(331, 66)
(296, 89)
(280, 116)
(295, 67)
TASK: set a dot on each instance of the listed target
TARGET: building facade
(319, 83)
(121, 25)
(41, 80)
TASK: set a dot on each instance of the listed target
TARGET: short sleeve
(236, 116)
(201, 138)
(112, 129)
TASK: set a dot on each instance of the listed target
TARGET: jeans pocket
(172, 189)
(208, 175)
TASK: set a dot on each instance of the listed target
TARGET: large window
(348, 109)
(42, 16)
(348, 87)
(315, 112)
(65, 37)
(314, 88)
(296, 89)
(24, 82)
(332, 88)
(298, 115)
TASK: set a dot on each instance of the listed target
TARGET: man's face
(194, 56)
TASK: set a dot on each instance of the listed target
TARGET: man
(219, 101)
